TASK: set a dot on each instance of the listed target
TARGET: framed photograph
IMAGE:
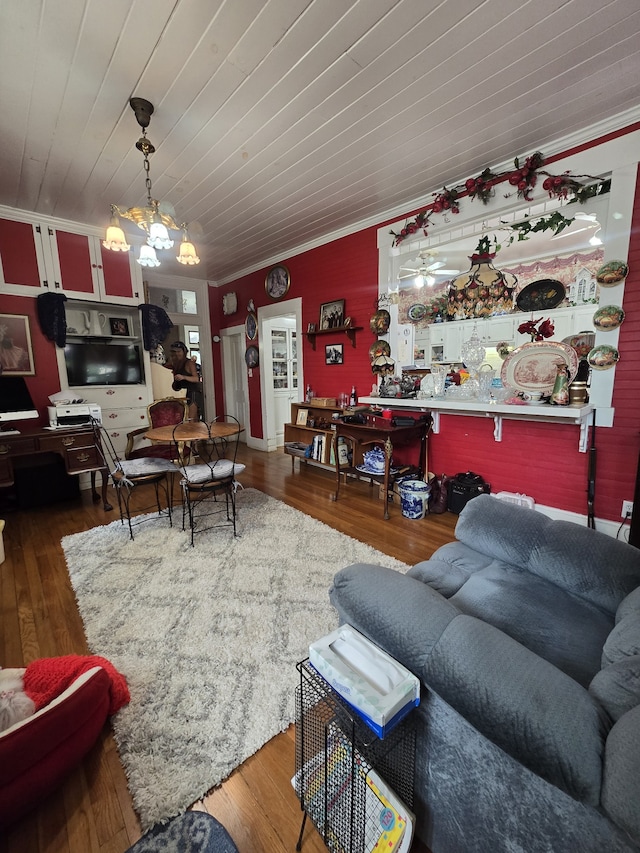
(303, 415)
(252, 356)
(251, 326)
(332, 314)
(16, 353)
(277, 281)
(119, 326)
(334, 354)
(194, 337)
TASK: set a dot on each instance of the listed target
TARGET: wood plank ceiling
(278, 122)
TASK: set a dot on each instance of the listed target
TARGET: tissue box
(378, 688)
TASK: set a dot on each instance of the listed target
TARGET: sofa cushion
(378, 601)
(451, 568)
(617, 687)
(526, 706)
(630, 605)
(563, 629)
(623, 641)
(580, 560)
(621, 780)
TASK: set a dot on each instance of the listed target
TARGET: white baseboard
(602, 524)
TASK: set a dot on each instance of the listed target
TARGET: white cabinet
(123, 409)
(284, 358)
(444, 342)
(36, 257)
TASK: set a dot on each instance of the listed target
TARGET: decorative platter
(608, 317)
(611, 273)
(603, 357)
(533, 367)
(582, 343)
(379, 348)
(380, 322)
(417, 312)
(541, 295)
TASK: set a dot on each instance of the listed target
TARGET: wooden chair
(208, 474)
(165, 412)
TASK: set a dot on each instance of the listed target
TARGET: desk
(76, 446)
(380, 432)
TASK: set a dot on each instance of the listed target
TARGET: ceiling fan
(425, 269)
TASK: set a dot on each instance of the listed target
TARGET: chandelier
(155, 222)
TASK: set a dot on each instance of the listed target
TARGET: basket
(324, 402)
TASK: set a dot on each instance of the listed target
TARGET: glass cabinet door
(284, 359)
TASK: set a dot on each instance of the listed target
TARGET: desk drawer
(18, 446)
(83, 459)
(6, 472)
(64, 443)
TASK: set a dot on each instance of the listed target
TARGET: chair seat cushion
(202, 473)
(147, 466)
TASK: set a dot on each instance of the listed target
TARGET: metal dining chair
(208, 470)
(129, 474)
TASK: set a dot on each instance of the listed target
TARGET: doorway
(281, 373)
(234, 378)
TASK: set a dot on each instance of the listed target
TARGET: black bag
(464, 487)
(438, 496)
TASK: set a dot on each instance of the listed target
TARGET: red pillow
(37, 753)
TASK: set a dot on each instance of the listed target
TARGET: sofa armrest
(402, 615)
(529, 708)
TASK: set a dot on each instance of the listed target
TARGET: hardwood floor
(92, 812)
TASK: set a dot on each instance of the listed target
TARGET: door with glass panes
(284, 372)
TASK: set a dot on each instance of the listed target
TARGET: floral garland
(524, 178)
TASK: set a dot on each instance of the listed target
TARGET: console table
(76, 445)
(379, 431)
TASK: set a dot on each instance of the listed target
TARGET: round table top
(193, 430)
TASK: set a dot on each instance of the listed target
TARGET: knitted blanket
(47, 678)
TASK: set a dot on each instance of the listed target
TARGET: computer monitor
(15, 400)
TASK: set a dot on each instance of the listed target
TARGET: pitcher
(97, 323)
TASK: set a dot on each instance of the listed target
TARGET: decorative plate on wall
(251, 326)
(611, 273)
(541, 295)
(379, 348)
(417, 312)
(252, 356)
(603, 357)
(533, 367)
(608, 317)
(277, 281)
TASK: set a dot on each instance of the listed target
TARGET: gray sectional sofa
(525, 634)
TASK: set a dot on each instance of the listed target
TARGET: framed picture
(252, 356)
(332, 314)
(119, 326)
(303, 415)
(194, 337)
(251, 326)
(334, 354)
(16, 353)
(277, 281)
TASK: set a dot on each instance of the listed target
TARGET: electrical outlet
(627, 508)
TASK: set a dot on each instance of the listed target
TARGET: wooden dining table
(193, 431)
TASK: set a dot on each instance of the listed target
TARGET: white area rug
(207, 637)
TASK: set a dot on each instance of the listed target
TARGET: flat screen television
(15, 400)
(100, 363)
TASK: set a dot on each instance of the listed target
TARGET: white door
(276, 402)
(283, 368)
(236, 390)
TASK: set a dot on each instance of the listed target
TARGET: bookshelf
(315, 428)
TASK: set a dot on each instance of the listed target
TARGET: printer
(73, 414)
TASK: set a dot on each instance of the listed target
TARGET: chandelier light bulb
(159, 236)
(148, 257)
(115, 239)
(188, 255)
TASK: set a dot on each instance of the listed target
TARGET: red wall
(46, 380)
(540, 460)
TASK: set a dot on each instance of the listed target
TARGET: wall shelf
(350, 332)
